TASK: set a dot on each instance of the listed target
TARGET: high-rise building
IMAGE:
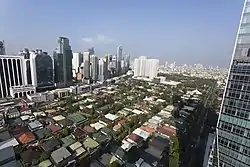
(41, 67)
(76, 63)
(2, 48)
(119, 55)
(63, 63)
(102, 70)
(94, 67)
(232, 144)
(86, 67)
(91, 51)
(11, 73)
(144, 67)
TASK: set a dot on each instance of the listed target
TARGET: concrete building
(41, 67)
(94, 67)
(2, 48)
(102, 70)
(86, 73)
(144, 67)
(11, 73)
(231, 147)
(63, 63)
(76, 63)
(41, 97)
(23, 90)
(119, 55)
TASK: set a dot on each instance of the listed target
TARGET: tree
(114, 164)
(43, 157)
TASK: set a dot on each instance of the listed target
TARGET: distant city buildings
(63, 63)
(119, 59)
(94, 67)
(2, 48)
(77, 63)
(144, 67)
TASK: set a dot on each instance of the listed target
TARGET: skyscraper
(232, 144)
(86, 58)
(94, 67)
(41, 67)
(119, 59)
(63, 63)
(144, 67)
(102, 70)
(2, 48)
(76, 63)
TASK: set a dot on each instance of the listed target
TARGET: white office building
(41, 97)
(23, 90)
(11, 73)
(144, 67)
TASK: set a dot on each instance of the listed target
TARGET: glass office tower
(232, 143)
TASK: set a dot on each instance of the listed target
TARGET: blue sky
(185, 31)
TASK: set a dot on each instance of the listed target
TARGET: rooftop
(111, 117)
(42, 133)
(89, 143)
(79, 133)
(77, 118)
(36, 124)
(8, 143)
(46, 163)
(26, 138)
(50, 145)
(54, 128)
(89, 129)
(60, 154)
(58, 118)
(68, 140)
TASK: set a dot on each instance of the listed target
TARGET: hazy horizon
(185, 32)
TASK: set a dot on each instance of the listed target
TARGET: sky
(184, 31)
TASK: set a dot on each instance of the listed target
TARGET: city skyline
(105, 31)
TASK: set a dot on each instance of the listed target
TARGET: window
(226, 126)
(234, 146)
(238, 130)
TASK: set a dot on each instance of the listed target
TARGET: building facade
(86, 73)
(144, 67)
(77, 63)
(232, 144)
(63, 63)
(2, 48)
(11, 73)
(94, 67)
(119, 59)
(41, 67)
(23, 90)
(103, 70)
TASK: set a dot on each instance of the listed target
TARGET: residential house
(101, 138)
(35, 125)
(77, 119)
(61, 157)
(145, 135)
(106, 159)
(89, 129)
(91, 145)
(119, 153)
(135, 139)
(105, 121)
(51, 145)
(97, 126)
(166, 131)
(42, 133)
(18, 131)
(27, 138)
(68, 140)
(106, 131)
(79, 134)
(111, 117)
(54, 129)
(31, 156)
(78, 149)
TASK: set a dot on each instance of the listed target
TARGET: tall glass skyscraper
(232, 143)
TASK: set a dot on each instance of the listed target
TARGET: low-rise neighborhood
(130, 122)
